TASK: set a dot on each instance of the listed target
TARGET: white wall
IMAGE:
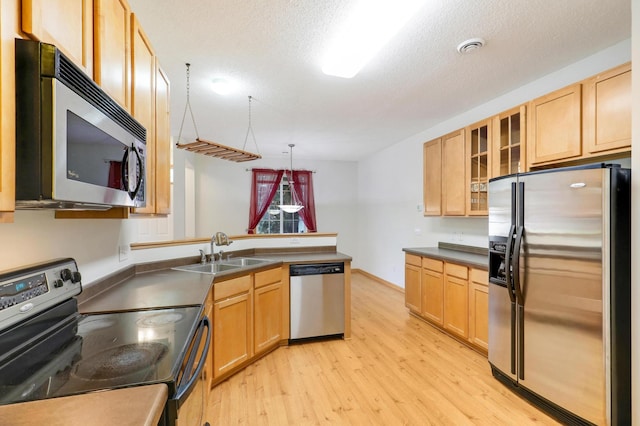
(223, 189)
(390, 181)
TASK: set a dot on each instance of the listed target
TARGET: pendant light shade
(295, 205)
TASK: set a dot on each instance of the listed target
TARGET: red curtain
(303, 187)
(115, 175)
(264, 185)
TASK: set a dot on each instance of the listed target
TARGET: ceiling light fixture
(295, 205)
(221, 86)
(470, 45)
(370, 27)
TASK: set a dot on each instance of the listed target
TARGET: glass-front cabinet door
(478, 163)
(509, 142)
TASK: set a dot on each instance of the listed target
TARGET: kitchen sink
(245, 261)
(208, 268)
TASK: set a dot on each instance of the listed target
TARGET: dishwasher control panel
(316, 269)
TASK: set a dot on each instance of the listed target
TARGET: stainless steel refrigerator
(559, 290)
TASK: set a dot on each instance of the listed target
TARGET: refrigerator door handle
(519, 301)
(510, 291)
(516, 266)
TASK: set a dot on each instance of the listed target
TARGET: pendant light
(295, 205)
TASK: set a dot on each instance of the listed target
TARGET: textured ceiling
(273, 50)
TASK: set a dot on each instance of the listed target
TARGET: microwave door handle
(140, 173)
(185, 389)
(125, 171)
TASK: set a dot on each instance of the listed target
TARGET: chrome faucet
(219, 239)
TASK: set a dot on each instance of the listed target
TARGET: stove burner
(93, 324)
(121, 361)
(160, 319)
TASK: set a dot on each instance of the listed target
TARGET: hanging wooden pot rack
(217, 150)
(214, 149)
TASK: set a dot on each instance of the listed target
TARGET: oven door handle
(184, 389)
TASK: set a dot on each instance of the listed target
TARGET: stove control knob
(65, 274)
(58, 283)
(76, 277)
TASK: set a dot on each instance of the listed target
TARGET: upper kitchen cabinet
(453, 174)
(8, 31)
(508, 146)
(555, 126)
(477, 167)
(163, 143)
(607, 111)
(68, 24)
(432, 178)
(112, 49)
(143, 76)
(444, 175)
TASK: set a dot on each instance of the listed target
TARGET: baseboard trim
(378, 280)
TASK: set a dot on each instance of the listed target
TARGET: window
(269, 189)
(275, 221)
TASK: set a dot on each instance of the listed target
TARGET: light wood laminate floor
(396, 370)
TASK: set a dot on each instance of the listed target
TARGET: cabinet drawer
(479, 276)
(412, 259)
(268, 277)
(432, 264)
(459, 271)
(231, 287)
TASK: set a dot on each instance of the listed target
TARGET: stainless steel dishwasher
(316, 300)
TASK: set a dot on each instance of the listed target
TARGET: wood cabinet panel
(433, 264)
(68, 24)
(453, 174)
(479, 311)
(432, 178)
(432, 296)
(267, 316)
(163, 142)
(412, 259)
(509, 142)
(478, 167)
(412, 288)
(228, 288)
(231, 333)
(456, 306)
(143, 72)
(267, 277)
(555, 126)
(112, 49)
(607, 110)
(9, 30)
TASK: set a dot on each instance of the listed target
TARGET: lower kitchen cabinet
(231, 324)
(479, 309)
(453, 297)
(413, 283)
(432, 290)
(248, 317)
(456, 300)
(268, 310)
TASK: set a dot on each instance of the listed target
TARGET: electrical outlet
(417, 231)
(123, 253)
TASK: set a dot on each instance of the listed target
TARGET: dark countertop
(167, 287)
(474, 259)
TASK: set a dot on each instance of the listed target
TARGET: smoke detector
(470, 45)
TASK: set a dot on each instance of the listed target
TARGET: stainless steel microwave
(76, 148)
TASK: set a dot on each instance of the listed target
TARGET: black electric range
(48, 349)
